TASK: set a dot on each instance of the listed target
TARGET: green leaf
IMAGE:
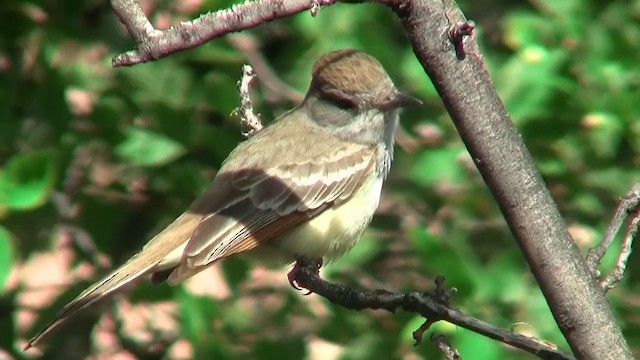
(506, 285)
(145, 148)
(5, 256)
(26, 181)
(473, 345)
(268, 349)
(166, 83)
(536, 70)
(523, 29)
(236, 271)
(438, 255)
(552, 167)
(197, 314)
(438, 166)
(413, 73)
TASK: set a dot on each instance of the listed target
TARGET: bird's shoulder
(291, 140)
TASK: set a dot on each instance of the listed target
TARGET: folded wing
(269, 203)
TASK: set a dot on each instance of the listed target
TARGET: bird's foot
(292, 276)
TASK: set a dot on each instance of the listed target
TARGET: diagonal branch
(432, 307)
(576, 301)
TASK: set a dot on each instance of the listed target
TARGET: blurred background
(94, 161)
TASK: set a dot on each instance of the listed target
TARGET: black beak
(401, 100)
(405, 100)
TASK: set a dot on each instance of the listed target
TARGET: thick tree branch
(432, 307)
(576, 301)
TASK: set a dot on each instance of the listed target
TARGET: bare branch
(609, 281)
(432, 307)
(131, 15)
(153, 44)
(629, 204)
(577, 303)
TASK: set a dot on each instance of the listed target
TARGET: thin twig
(630, 203)
(609, 281)
(275, 88)
(432, 307)
(447, 350)
(249, 121)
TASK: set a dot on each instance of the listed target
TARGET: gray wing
(264, 204)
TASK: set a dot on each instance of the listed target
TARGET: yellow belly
(335, 231)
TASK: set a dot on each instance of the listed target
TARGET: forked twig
(630, 204)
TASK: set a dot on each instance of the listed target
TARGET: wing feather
(273, 202)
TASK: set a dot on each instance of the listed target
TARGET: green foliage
(6, 255)
(438, 166)
(129, 149)
(144, 148)
(26, 181)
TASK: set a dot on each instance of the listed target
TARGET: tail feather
(98, 291)
(164, 251)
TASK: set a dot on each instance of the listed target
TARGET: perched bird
(304, 187)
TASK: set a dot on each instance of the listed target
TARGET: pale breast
(335, 231)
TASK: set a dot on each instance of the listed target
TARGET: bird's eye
(339, 99)
(344, 104)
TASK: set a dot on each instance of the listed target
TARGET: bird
(304, 187)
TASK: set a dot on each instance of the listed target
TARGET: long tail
(162, 252)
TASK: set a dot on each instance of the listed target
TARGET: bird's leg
(300, 263)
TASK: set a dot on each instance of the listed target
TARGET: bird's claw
(293, 274)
